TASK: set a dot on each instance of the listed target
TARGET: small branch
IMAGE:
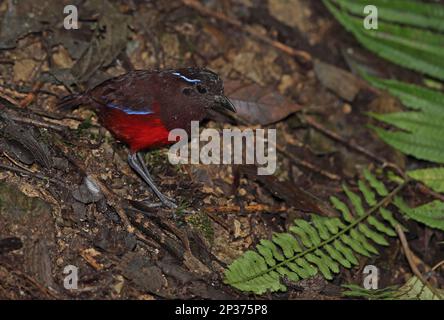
(48, 292)
(307, 165)
(30, 97)
(256, 208)
(219, 220)
(17, 163)
(15, 116)
(426, 190)
(302, 56)
(438, 265)
(353, 146)
(411, 260)
(34, 175)
(333, 135)
(8, 98)
(296, 161)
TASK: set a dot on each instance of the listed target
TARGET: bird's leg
(136, 162)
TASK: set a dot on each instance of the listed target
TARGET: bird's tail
(72, 101)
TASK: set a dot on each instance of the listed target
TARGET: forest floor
(290, 60)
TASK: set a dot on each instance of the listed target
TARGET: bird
(141, 107)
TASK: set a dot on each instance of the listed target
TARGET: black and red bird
(141, 107)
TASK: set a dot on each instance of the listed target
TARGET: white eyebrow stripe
(185, 78)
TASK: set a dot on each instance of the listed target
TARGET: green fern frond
(413, 48)
(431, 177)
(412, 96)
(406, 12)
(423, 134)
(413, 289)
(420, 146)
(321, 245)
(396, 35)
(417, 122)
(431, 214)
(356, 291)
(402, 37)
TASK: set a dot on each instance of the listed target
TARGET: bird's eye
(187, 91)
(201, 89)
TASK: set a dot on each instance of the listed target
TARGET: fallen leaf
(90, 255)
(24, 69)
(341, 82)
(61, 58)
(143, 273)
(259, 105)
(289, 12)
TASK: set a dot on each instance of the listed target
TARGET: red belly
(138, 131)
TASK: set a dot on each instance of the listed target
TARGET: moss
(156, 158)
(202, 222)
(86, 124)
(17, 205)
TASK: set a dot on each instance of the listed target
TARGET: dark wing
(132, 93)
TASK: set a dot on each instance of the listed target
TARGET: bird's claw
(169, 203)
(165, 201)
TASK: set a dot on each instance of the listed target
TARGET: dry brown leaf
(259, 105)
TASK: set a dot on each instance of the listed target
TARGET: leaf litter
(59, 220)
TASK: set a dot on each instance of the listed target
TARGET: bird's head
(191, 95)
(204, 87)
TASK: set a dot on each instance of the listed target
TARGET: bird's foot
(164, 201)
(169, 202)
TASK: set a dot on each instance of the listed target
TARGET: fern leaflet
(413, 289)
(413, 48)
(321, 245)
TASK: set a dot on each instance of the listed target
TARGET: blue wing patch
(185, 78)
(129, 110)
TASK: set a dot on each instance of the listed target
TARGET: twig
(154, 230)
(308, 165)
(112, 201)
(424, 189)
(257, 208)
(337, 137)
(410, 258)
(219, 220)
(46, 291)
(302, 56)
(43, 289)
(7, 97)
(111, 198)
(353, 146)
(178, 233)
(249, 208)
(6, 61)
(57, 116)
(16, 163)
(439, 264)
(35, 175)
(298, 162)
(30, 97)
(34, 122)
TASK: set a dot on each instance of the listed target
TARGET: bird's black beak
(224, 103)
